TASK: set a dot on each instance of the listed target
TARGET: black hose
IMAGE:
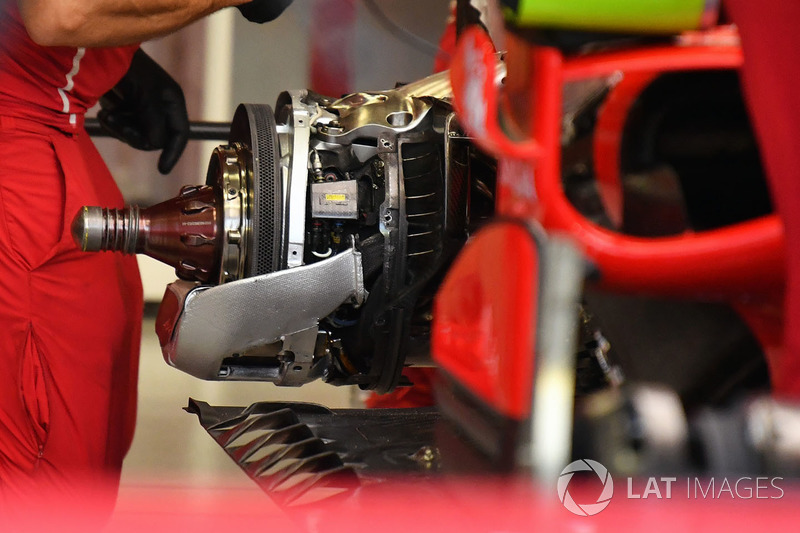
(198, 130)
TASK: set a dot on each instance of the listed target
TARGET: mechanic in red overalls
(69, 321)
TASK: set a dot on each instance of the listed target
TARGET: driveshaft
(181, 232)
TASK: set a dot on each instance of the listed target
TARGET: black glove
(146, 110)
(262, 11)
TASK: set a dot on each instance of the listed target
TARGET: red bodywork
(488, 319)
(742, 264)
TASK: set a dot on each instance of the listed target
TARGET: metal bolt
(427, 457)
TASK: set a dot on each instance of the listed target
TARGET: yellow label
(335, 197)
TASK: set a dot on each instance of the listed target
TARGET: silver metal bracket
(302, 117)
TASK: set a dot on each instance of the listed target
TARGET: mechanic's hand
(262, 11)
(146, 110)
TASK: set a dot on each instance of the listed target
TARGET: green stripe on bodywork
(626, 16)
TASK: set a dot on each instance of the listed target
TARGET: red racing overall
(69, 321)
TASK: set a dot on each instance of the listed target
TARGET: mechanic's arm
(94, 23)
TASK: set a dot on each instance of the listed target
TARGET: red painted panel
(484, 333)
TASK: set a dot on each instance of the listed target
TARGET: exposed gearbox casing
(315, 247)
